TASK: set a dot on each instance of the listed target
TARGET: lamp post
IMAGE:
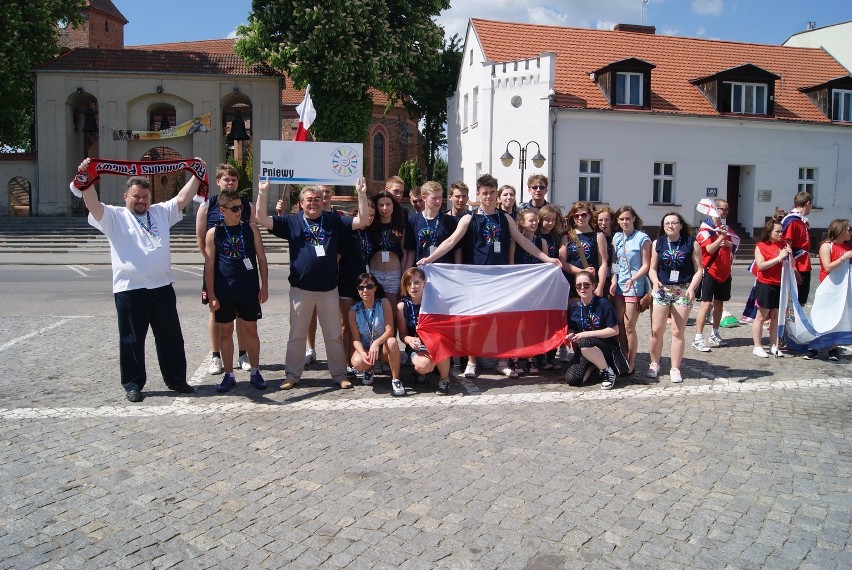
(538, 160)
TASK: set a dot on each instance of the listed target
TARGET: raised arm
(358, 222)
(189, 190)
(90, 197)
(263, 219)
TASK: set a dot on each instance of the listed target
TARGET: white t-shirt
(139, 246)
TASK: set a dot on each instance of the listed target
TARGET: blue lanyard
(433, 232)
(370, 319)
(311, 228)
(237, 240)
(150, 227)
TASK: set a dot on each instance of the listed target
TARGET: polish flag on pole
(307, 114)
(498, 311)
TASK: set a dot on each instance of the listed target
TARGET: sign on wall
(291, 162)
(712, 192)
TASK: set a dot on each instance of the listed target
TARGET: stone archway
(20, 194)
(164, 186)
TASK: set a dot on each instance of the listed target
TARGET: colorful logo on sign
(344, 161)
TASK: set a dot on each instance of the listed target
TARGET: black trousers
(804, 288)
(137, 310)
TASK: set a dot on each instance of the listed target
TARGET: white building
(836, 39)
(657, 122)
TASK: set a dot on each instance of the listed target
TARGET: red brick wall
(97, 31)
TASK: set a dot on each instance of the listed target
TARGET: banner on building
(291, 162)
(197, 125)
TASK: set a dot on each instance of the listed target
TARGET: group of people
(357, 276)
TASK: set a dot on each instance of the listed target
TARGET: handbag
(646, 300)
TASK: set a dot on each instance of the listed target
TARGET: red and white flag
(307, 114)
(498, 311)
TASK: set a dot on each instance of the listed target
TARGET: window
(475, 110)
(378, 156)
(464, 117)
(628, 89)
(748, 98)
(841, 105)
(663, 183)
(471, 58)
(590, 181)
(808, 181)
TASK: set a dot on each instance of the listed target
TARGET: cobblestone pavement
(745, 465)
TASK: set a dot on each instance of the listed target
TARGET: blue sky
(758, 21)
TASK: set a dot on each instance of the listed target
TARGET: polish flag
(498, 311)
(307, 114)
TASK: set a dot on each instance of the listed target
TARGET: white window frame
(841, 105)
(749, 106)
(628, 78)
(465, 115)
(587, 178)
(808, 178)
(474, 119)
(660, 182)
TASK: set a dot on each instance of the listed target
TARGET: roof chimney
(635, 28)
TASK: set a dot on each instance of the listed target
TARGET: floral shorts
(672, 296)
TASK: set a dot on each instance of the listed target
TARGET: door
(733, 196)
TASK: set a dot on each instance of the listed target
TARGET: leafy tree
(28, 38)
(441, 173)
(343, 49)
(429, 101)
(410, 172)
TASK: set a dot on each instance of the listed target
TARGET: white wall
(836, 40)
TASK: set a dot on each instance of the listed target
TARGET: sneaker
(351, 372)
(607, 379)
(257, 381)
(215, 366)
(443, 387)
(506, 370)
(653, 370)
(244, 363)
(773, 350)
(563, 354)
(675, 376)
(397, 387)
(716, 340)
(759, 352)
(746, 320)
(228, 382)
(310, 356)
(834, 355)
(420, 380)
(519, 370)
(470, 370)
(344, 384)
(366, 378)
(699, 345)
(811, 355)
(533, 367)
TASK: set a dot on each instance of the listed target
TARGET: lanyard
(496, 235)
(150, 227)
(312, 229)
(433, 232)
(583, 317)
(370, 319)
(237, 241)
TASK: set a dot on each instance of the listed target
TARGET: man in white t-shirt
(138, 234)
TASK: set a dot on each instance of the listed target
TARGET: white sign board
(292, 162)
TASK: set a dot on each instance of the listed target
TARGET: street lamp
(537, 160)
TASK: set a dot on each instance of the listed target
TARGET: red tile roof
(678, 60)
(153, 61)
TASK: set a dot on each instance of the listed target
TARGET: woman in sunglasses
(593, 332)
(372, 317)
(583, 249)
(675, 277)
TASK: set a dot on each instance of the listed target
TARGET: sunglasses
(234, 209)
(584, 285)
(581, 215)
(368, 287)
(538, 187)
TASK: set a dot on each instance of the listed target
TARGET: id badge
(155, 242)
(320, 249)
(614, 269)
(432, 249)
(385, 256)
(247, 263)
(674, 275)
(496, 247)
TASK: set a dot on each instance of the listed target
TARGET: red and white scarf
(98, 166)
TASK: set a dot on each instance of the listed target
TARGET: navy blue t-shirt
(308, 271)
(523, 257)
(589, 242)
(598, 315)
(483, 232)
(675, 256)
(421, 234)
(232, 281)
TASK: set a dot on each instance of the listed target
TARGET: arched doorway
(164, 186)
(20, 192)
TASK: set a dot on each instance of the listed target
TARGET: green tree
(343, 49)
(28, 38)
(441, 173)
(410, 172)
(428, 101)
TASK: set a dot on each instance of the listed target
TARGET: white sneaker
(470, 370)
(699, 345)
(773, 350)
(675, 376)
(607, 379)
(506, 370)
(397, 387)
(244, 362)
(215, 366)
(563, 354)
(310, 356)
(716, 340)
(758, 351)
(653, 370)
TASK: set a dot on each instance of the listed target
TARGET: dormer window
(743, 90)
(833, 98)
(625, 83)
(841, 105)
